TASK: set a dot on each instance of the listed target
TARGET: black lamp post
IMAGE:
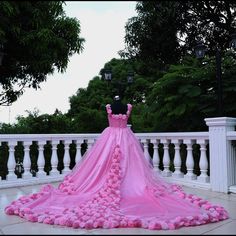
(200, 50)
(1, 54)
(107, 75)
(233, 41)
(130, 77)
(118, 84)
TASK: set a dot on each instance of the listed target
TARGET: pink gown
(115, 186)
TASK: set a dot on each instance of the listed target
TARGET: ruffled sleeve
(129, 109)
(108, 108)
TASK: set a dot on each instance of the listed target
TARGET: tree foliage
(87, 106)
(165, 31)
(187, 93)
(172, 90)
(37, 38)
(34, 123)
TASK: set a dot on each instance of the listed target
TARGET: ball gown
(115, 186)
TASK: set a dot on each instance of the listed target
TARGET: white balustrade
(156, 158)
(66, 158)
(203, 164)
(78, 156)
(177, 159)
(54, 158)
(145, 143)
(11, 161)
(222, 155)
(90, 143)
(166, 158)
(41, 160)
(27, 160)
(189, 161)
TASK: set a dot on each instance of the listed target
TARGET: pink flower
(152, 225)
(41, 218)
(123, 223)
(85, 218)
(106, 225)
(16, 211)
(62, 221)
(164, 225)
(46, 188)
(89, 224)
(130, 224)
(69, 223)
(33, 218)
(144, 224)
(27, 210)
(76, 224)
(9, 211)
(33, 196)
(95, 224)
(48, 221)
(171, 226)
(82, 224)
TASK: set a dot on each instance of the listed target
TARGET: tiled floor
(18, 226)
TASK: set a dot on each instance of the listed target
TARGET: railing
(200, 159)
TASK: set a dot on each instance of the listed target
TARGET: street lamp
(233, 41)
(1, 54)
(118, 84)
(200, 50)
(108, 75)
(130, 77)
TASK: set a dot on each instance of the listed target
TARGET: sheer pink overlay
(115, 186)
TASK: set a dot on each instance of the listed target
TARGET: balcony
(203, 163)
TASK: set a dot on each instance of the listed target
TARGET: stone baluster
(145, 143)
(54, 158)
(166, 158)
(78, 156)
(189, 161)
(11, 162)
(156, 157)
(41, 160)
(177, 159)
(203, 162)
(66, 157)
(27, 161)
(90, 143)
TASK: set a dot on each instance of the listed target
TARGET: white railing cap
(220, 121)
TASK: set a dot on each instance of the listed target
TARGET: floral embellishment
(108, 107)
(129, 109)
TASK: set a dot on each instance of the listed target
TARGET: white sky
(103, 27)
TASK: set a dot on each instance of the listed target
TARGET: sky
(103, 28)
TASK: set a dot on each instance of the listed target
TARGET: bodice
(118, 120)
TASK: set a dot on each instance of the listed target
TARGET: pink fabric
(115, 186)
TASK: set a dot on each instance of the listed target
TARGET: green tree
(87, 106)
(187, 93)
(37, 38)
(34, 123)
(165, 31)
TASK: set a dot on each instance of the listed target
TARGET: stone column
(222, 155)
